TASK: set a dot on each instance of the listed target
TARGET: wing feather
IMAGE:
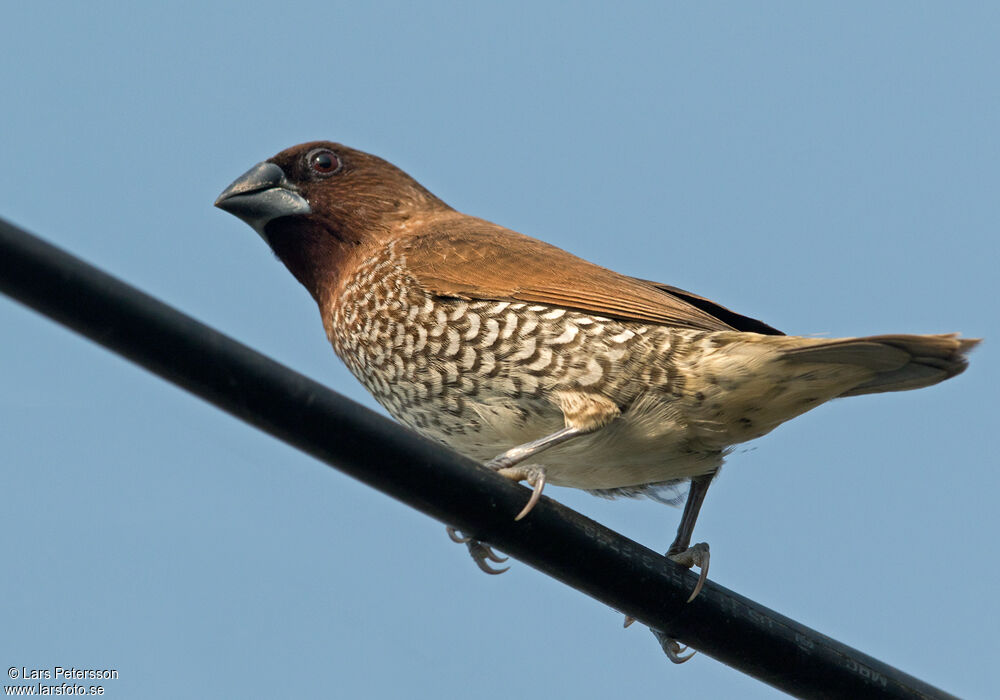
(461, 256)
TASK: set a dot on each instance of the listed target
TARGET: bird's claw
(672, 648)
(695, 555)
(537, 481)
(535, 476)
(480, 552)
(456, 536)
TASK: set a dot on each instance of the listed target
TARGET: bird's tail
(894, 362)
(744, 385)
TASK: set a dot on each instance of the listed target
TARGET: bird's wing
(470, 258)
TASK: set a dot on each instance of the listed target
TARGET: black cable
(441, 483)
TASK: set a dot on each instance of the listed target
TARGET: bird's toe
(694, 556)
(672, 648)
(480, 552)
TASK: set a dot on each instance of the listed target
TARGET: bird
(541, 365)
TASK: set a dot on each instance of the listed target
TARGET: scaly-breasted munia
(542, 365)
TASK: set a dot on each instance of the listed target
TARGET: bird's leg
(684, 554)
(681, 550)
(530, 449)
(506, 464)
(584, 413)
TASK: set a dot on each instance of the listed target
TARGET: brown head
(317, 202)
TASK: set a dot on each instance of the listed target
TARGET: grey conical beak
(262, 194)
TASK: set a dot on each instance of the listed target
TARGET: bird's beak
(262, 194)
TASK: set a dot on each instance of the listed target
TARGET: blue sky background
(830, 168)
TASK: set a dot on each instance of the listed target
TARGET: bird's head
(316, 202)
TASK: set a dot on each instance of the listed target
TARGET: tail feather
(900, 362)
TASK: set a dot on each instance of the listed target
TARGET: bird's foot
(480, 552)
(504, 465)
(672, 648)
(695, 555)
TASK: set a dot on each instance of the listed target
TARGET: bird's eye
(323, 162)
